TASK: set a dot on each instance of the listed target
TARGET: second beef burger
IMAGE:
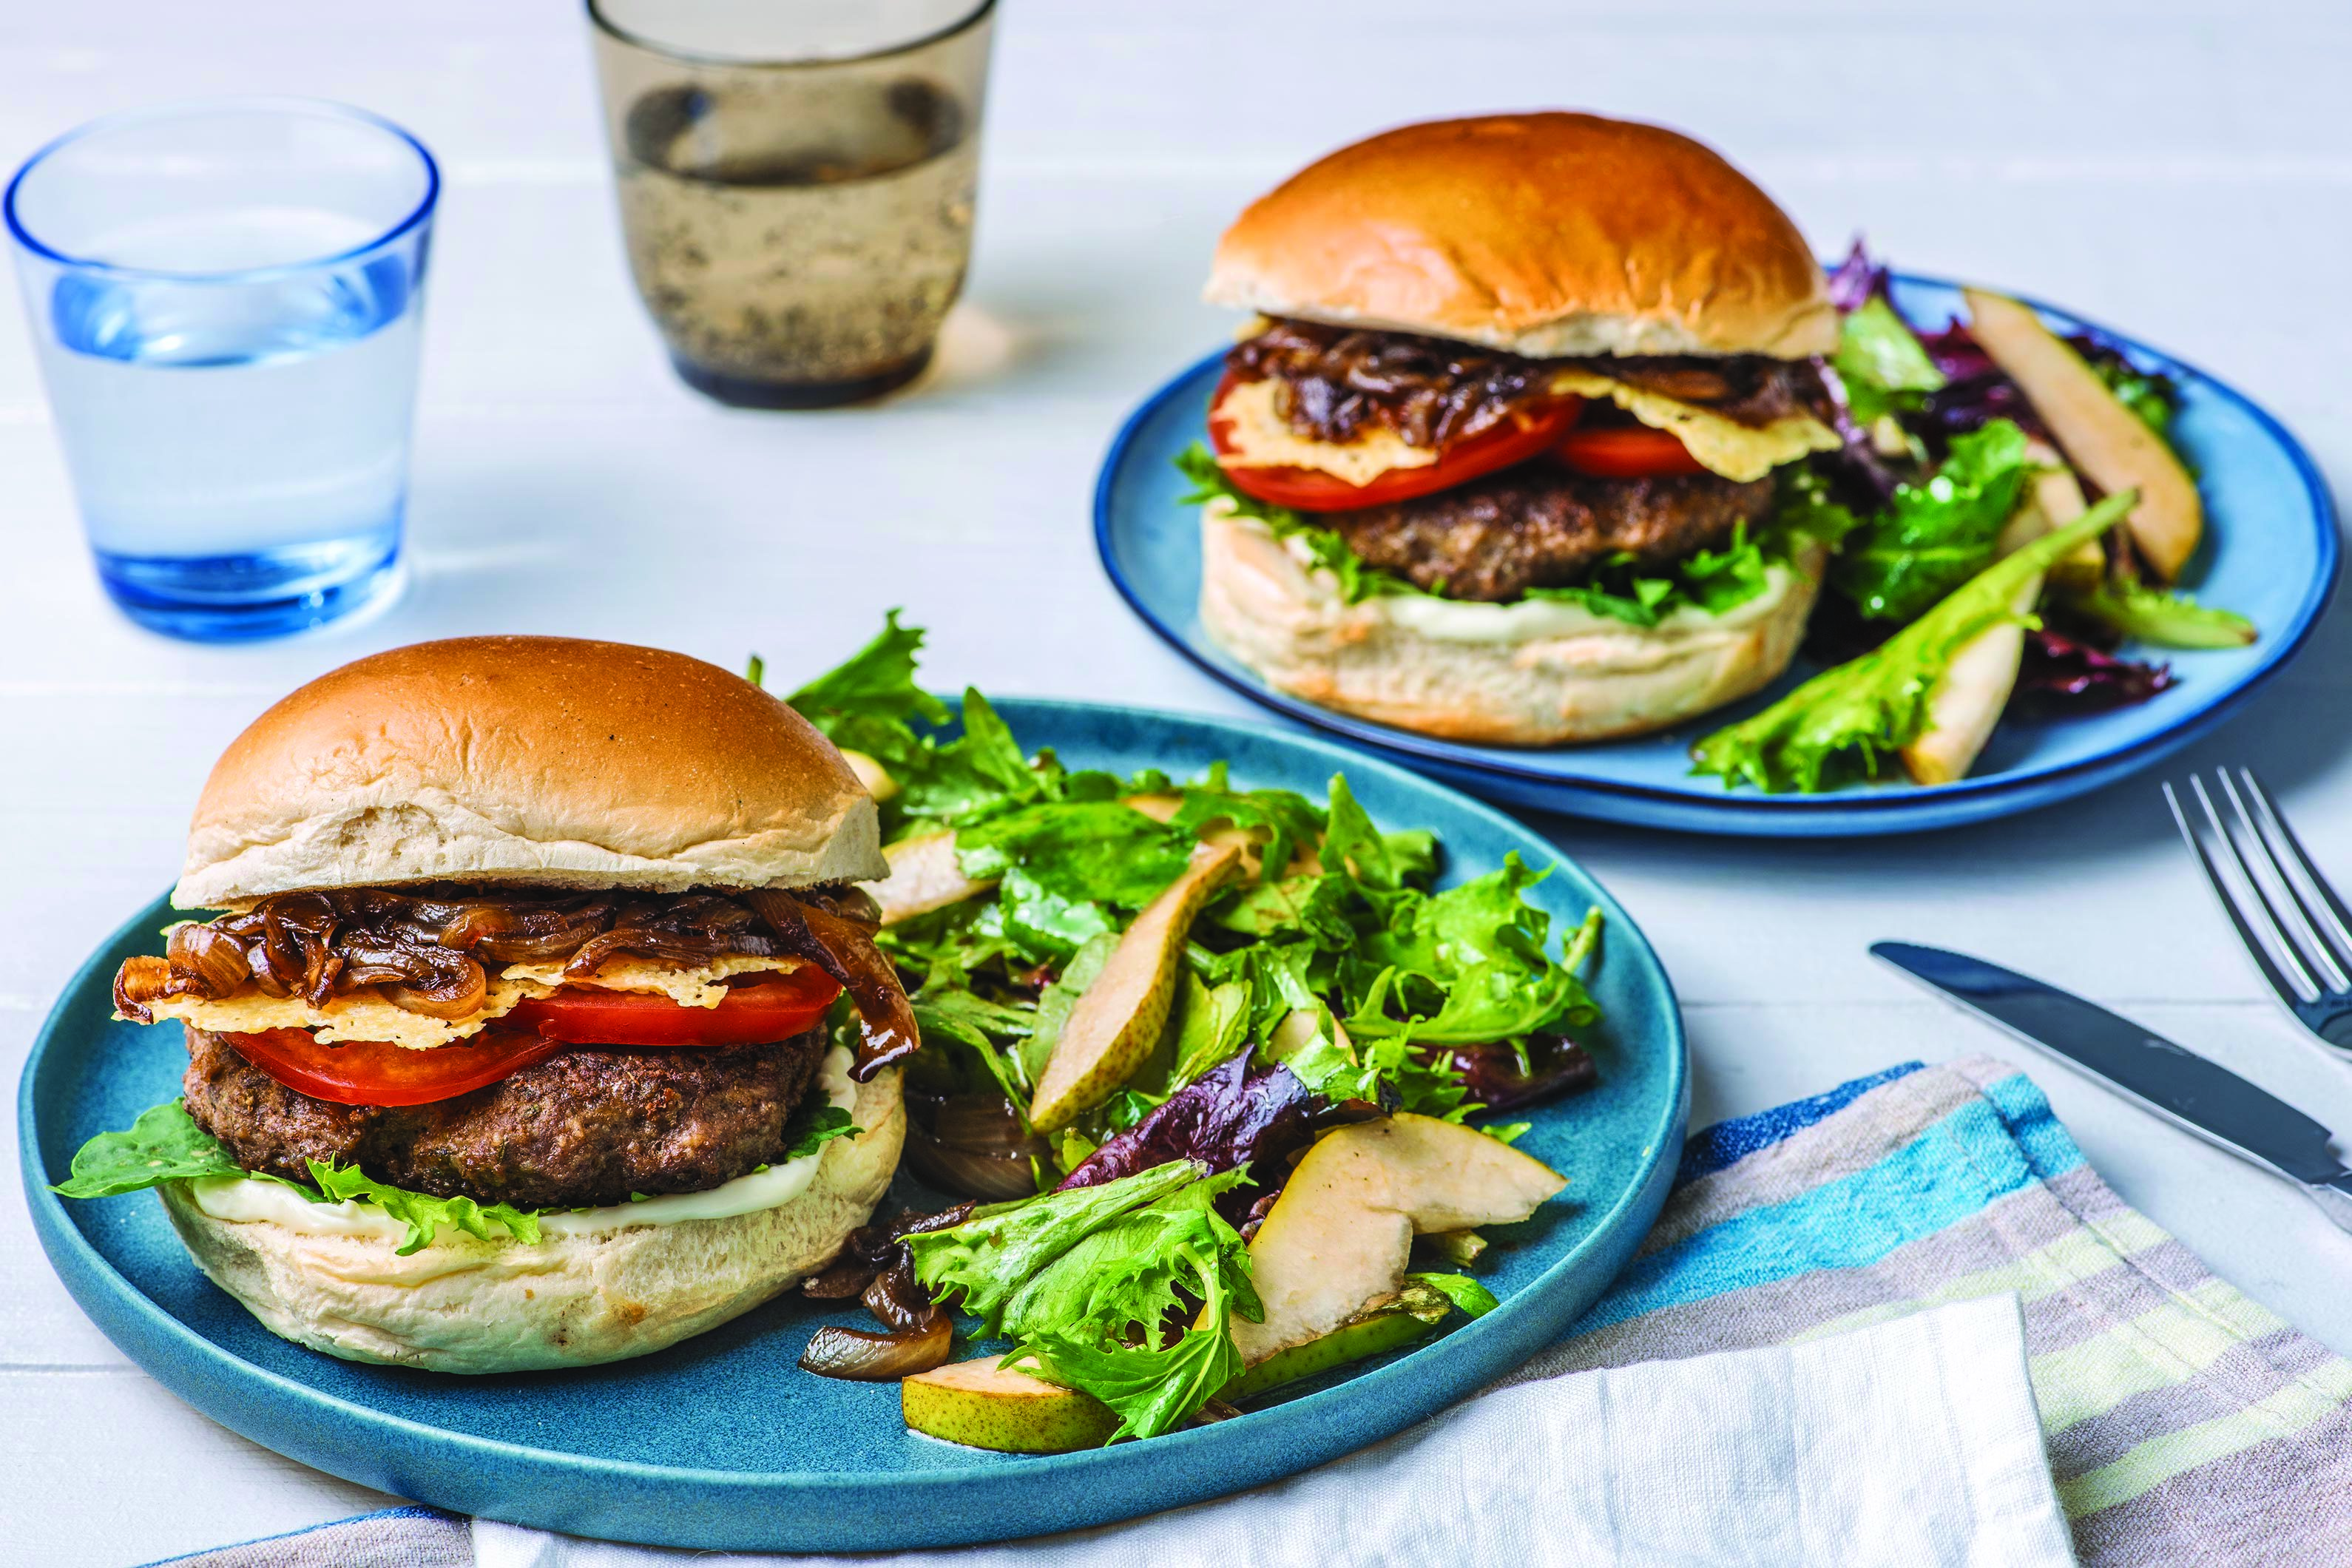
(518, 1046)
(1494, 462)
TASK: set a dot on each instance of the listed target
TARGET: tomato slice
(772, 1009)
(1625, 452)
(376, 1072)
(1521, 435)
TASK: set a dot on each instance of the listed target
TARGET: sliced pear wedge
(2052, 499)
(1117, 1021)
(871, 773)
(2105, 440)
(924, 876)
(1340, 1235)
(980, 1405)
(1968, 703)
(1382, 1327)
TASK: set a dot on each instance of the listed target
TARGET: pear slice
(2105, 440)
(1117, 1021)
(1968, 703)
(1340, 1235)
(1377, 1330)
(924, 876)
(2052, 499)
(978, 1404)
(871, 773)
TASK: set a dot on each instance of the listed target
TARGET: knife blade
(2201, 1096)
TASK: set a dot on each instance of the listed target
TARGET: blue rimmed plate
(2271, 555)
(723, 1442)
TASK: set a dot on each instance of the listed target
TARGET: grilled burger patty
(585, 1128)
(1539, 525)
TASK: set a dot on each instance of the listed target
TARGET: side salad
(1202, 1058)
(2007, 507)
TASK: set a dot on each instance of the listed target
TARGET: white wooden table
(2149, 162)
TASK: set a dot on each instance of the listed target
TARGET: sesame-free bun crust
(538, 761)
(1534, 673)
(1545, 235)
(470, 1305)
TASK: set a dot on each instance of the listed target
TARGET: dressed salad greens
(1971, 571)
(1164, 1020)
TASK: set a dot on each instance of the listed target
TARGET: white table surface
(2151, 162)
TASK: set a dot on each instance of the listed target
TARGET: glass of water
(796, 184)
(225, 299)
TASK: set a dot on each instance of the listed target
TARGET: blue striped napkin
(2184, 1423)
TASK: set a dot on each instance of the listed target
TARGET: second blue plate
(2271, 555)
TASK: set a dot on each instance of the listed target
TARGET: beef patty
(1538, 525)
(584, 1127)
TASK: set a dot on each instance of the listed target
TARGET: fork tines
(2293, 925)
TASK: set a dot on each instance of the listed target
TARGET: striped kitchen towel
(2183, 1423)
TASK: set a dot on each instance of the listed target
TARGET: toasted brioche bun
(545, 761)
(574, 1299)
(1527, 674)
(1543, 235)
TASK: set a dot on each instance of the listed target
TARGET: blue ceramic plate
(722, 1442)
(2270, 554)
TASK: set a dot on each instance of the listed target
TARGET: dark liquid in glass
(798, 241)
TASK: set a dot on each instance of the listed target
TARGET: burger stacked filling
(534, 1048)
(1480, 475)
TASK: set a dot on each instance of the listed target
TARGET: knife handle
(2333, 1197)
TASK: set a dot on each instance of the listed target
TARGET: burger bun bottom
(1533, 673)
(469, 1305)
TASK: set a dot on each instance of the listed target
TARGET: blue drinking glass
(226, 298)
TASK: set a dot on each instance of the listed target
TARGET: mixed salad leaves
(1965, 453)
(1142, 1000)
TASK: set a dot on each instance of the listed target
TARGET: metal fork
(2293, 925)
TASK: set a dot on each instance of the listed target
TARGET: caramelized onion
(999, 1178)
(898, 1298)
(845, 951)
(210, 956)
(862, 1357)
(426, 950)
(459, 997)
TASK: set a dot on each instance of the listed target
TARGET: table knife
(2183, 1087)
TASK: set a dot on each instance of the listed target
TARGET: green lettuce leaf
(165, 1145)
(1712, 581)
(817, 1123)
(1101, 1317)
(867, 702)
(992, 1255)
(1468, 1296)
(1936, 535)
(1152, 1388)
(423, 1215)
(1844, 724)
(1881, 363)
(2161, 616)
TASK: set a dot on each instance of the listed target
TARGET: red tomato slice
(376, 1072)
(1519, 436)
(1625, 452)
(772, 1009)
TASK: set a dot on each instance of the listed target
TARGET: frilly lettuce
(165, 1145)
(1844, 722)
